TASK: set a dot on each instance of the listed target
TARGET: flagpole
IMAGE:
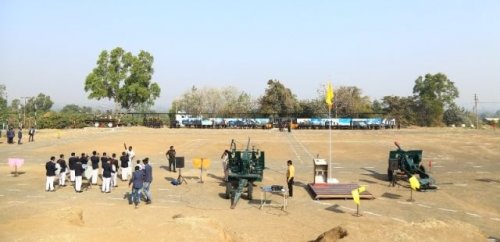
(330, 128)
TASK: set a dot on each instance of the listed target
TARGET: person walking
(50, 171)
(106, 175)
(290, 173)
(64, 170)
(148, 178)
(171, 158)
(137, 181)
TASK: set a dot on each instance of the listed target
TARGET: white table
(268, 189)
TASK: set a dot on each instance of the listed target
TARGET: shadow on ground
(335, 208)
(375, 174)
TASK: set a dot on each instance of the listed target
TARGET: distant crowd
(11, 135)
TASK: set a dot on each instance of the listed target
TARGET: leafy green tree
(73, 108)
(4, 112)
(454, 115)
(400, 108)
(278, 100)
(349, 101)
(224, 102)
(15, 105)
(40, 104)
(433, 94)
(123, 78)
(377, 107)
(310, 108)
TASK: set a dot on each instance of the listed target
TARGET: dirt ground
(465, 164)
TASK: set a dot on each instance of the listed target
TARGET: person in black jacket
(20, 136)
(50, 168)
(106, 175)
(63, 172)
(114, 170)
(10, 136)
(124, 166)
(72, 163)
(171, 158)
(95, 166)
(31, 134)
(148, 178)
(84, 159)
(78, 176)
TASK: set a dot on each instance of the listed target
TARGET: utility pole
(24, 111)
(475, 108)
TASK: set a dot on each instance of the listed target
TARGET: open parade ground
(465, 164)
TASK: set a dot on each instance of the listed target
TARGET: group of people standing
(11, 134)
(106, 166)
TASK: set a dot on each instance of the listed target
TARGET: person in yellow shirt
(290, 174)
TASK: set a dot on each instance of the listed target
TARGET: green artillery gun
(244, 168)
(408, 163)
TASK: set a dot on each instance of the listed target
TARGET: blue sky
(379, 46)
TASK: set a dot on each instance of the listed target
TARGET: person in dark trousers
(290, 173)
(50, 168)
(20, 136)
(137, 181)
(72, 163)
(78, 176)
(124, 166)
(64, 170)
(148, 178)
(171, 158)
(31, 134)
(10, 136)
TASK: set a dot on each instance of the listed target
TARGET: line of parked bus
(296, 123)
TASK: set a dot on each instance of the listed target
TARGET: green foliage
(75, 109)
(278, 100)
(39, 104)
(454, 115)
(312, 108)
(3, 104)
(224, 102)
(123, 78)
(350, 102)
(400, 108)
(433, 94)
(54, 120)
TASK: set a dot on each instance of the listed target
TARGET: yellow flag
(361, 189)
(329, 95)
(414, 183)
(355, 196)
